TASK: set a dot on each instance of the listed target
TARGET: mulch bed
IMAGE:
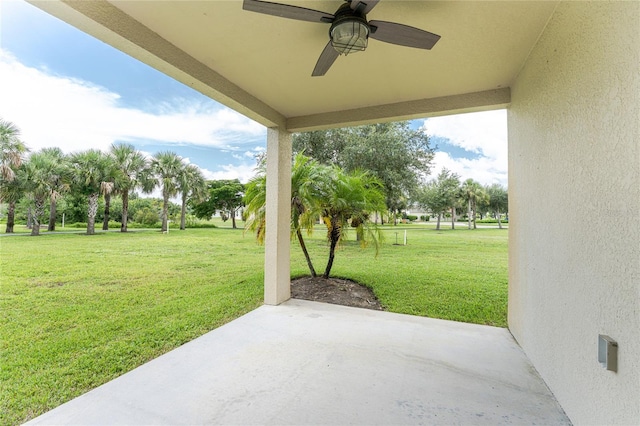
(335, 290)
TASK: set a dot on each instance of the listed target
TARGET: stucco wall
(574, 195)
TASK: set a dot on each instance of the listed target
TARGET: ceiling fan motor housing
(349, 31)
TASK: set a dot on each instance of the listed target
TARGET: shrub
(490, 220)
(146, 216)
(191, 221)
(136, 225)
(79, 225)
(202, 224)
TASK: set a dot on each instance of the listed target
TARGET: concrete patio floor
(312, 363)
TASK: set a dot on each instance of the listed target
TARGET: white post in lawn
(277, 272)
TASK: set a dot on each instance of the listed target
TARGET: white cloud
(74, 115)
(480, 132)
(242, 172)
(483, 133)
(484, 169)
(256, 151)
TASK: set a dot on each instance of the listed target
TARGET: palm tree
(12, 151)
(132, 164)
(38, 175)
(166, 168)
(348, 198)
(91, 170)
(12, 192)
(112, 176)
(306, 177)
(255, 199)
(59, 181)
(473, 193)
(191, 183)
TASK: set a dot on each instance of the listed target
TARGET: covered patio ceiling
(261, 65)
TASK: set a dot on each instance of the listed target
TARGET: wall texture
(574, 188)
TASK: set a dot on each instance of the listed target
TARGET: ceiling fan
(349, 29)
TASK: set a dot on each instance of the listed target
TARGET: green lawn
(458, 275)
(78, 311)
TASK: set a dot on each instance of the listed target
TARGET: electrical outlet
(608, 352)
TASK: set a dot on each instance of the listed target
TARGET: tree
(150, 208)
(449, 190)
(307, 176)
(225, 196)
(166, 168)
(132, 165)
(12, 192)
(428, 198)
(482, 203)
(255, 200)
(146, 216)
(350, 197)
(397, 155)
(59, 181)
(441, 195)
(91, 174)
(39, 173)
(111, 177)
(308, 179)
(339, 197)
(191, 183)
(498, 201)
(12, 152)
(324, 146)
(473, 193)
(73, 205)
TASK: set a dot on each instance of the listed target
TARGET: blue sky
(64, 88)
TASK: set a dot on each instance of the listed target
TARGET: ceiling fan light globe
(349, 36)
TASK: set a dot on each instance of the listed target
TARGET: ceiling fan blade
(287, 11)
(365, 5)
(404, 35)
(326, 59)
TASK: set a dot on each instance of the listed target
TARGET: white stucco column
(277, 276)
